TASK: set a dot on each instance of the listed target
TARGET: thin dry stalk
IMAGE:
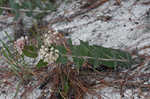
(25, 10)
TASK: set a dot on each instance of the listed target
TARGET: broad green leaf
(80, 50)
(84, 43)
(30, 51)
(96, 53)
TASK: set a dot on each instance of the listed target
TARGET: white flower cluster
(47, 52)
(50, 38)
(20, 43)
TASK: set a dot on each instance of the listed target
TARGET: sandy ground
(124, 26)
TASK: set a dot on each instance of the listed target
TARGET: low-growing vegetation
(63, 60)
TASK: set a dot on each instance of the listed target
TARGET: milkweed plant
(55, 48)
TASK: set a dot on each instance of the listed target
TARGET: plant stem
(100, 59)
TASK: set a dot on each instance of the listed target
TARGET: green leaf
(95, 53)
(96, 63)
(41, 63)
(61, 49)
(80, 50)
(9, 37)
(6, 48)
(78, 61)
(30, 51)
(17, 88)
(84, 43)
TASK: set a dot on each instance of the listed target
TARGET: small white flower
(52, 48)
(19, 44)
(57, 51)
(51, 53)
(42, 46)
(26, 38)
(22, 38)
(46, 49)
(57, 55)
(45, 35)
(46, 60)
(47, 55)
